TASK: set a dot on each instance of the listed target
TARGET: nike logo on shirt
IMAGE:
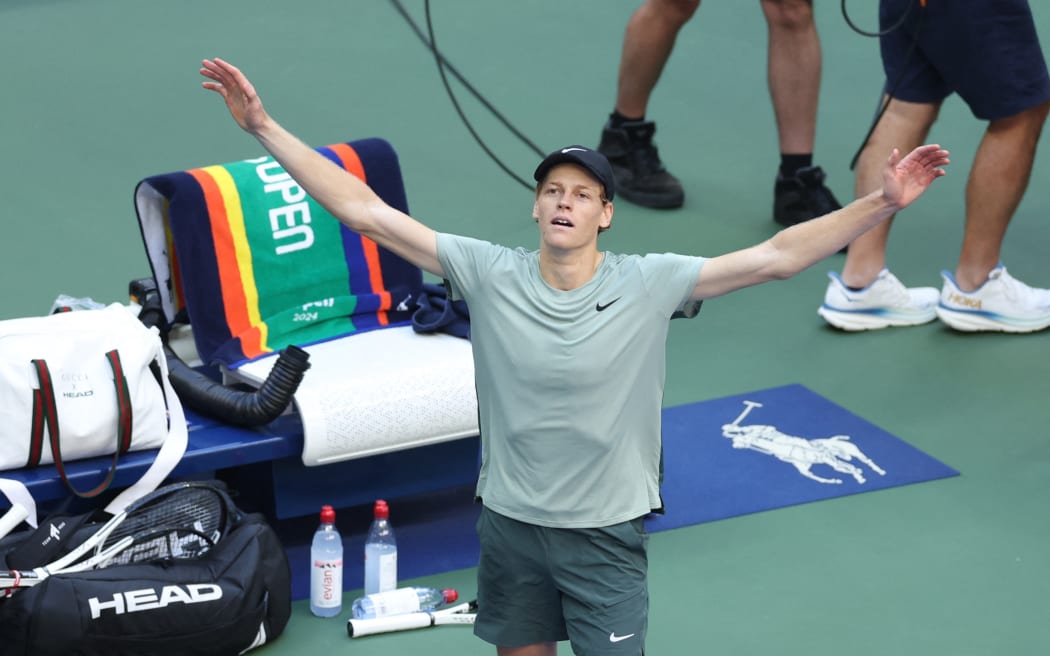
(600, 307)
(615, 638)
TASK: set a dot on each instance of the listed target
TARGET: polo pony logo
(836, 452)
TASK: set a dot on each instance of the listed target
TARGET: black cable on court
(443, 64)
(884, 103)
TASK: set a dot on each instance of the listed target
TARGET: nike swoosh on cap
(569, 150)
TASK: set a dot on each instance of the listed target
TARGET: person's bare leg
(997, 183)
(539, 649)
(647, 45)
(793, 71)
(903, 126)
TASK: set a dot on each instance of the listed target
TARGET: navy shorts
(539, 584)
(987, 51)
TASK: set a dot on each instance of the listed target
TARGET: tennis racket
(464, 613)
(180, 521)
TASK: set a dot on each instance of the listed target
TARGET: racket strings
(178, 543)
(183, 524)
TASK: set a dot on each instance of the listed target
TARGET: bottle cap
(382, 511)
(450, 595)
(327, 515)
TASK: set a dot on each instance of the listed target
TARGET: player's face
(570, 207)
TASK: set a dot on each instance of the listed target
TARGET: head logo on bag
(235, 597)
(135, 601)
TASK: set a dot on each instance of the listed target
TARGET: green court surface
(98, 94)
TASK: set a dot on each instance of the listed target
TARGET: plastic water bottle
(380, 552)
(326, 567)
(400, 601)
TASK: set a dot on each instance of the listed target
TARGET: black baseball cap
(583, 156)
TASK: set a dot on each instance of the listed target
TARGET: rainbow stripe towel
(257, 265)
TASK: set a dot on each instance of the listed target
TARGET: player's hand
(904, 180)
(240, 96)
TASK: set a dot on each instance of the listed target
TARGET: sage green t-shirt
(570, 383)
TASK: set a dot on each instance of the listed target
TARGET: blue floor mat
(722, 458)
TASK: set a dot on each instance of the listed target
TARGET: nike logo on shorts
(615, 638)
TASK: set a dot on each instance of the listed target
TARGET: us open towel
(256, 264)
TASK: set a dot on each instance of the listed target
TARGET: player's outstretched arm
(793, 249)
(346, 197)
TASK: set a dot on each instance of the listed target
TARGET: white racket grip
(402, 622)
(458, 618)
(18, 495)
(12, 518)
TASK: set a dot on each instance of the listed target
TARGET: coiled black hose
(208, 397)
(235, 406)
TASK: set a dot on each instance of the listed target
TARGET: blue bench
(265, 466)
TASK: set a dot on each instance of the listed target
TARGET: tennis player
(569, 354)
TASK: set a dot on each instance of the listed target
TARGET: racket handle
(12, 518)
(403, 622)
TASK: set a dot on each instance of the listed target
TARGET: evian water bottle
(326, 567)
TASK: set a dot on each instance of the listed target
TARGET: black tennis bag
(234, 598)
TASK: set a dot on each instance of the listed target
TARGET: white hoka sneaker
(885, 302)
(1002, 303)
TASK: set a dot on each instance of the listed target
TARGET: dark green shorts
(539, 584)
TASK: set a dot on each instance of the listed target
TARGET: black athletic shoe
(802, 197)
(640, 176)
